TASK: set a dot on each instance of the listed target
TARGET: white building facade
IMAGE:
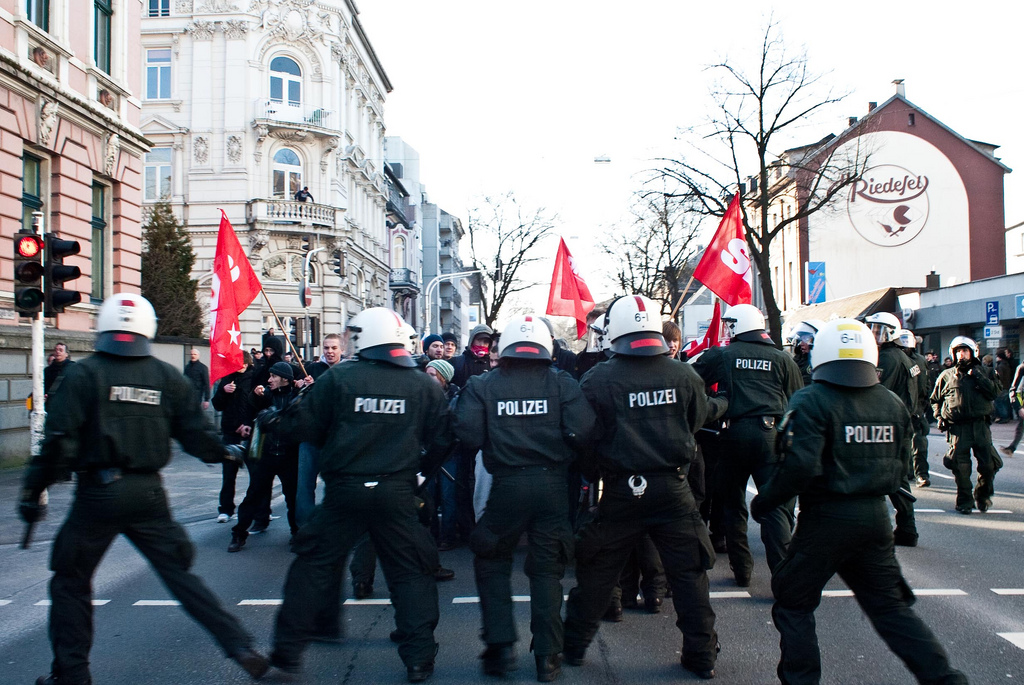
(248, 102)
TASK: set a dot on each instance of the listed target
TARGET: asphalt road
(967, 573)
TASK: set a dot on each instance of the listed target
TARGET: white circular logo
(888, 205)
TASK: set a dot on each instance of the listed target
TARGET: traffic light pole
(38, 416)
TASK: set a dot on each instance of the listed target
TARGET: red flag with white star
(235, 286)
(569, 294)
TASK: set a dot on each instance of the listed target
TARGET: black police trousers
(965, 438)
(386, 508)
(746, 449)
(851, 537)
(530, 500)
(921, 430)
(136, 506)
(665, 511)
(643, 574)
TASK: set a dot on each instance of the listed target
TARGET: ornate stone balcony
(291, 212)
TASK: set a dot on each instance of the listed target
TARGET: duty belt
(768, 421)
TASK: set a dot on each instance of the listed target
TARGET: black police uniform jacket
(648, 409)
(528, 416)
(840, 442)
(120, 412)
(895, 373)
(373, 418)
(757, 377)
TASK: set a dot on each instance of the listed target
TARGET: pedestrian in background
(112, 421)
(55, 369)
(231, 399)
(199, 376)
(451, 345)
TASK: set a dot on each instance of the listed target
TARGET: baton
(905, 494)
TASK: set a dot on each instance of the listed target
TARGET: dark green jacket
(120, 412)
(840, 442)
(372, 418)
(924, 382)
(963, 395)
(648, 409)
(756, 377)
(894, 373)
(530, 416)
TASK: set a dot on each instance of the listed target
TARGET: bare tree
(755, 113)
(652, 256)
(503, 236)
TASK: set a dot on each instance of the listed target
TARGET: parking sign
(992, 312)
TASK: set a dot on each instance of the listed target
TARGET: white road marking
(157, 603)
(465, 600)
(260, 602)
(932, 592)
(368, 602)
(42, 603)
(731, 594)
(941, 475)
(1008, 590)
(837, 593)
(929, 511)
(1016, 639)
(100, 602)
(998, 511)
(5, 602)
(520, 598)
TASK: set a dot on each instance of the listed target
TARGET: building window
(38, 12)
(31, 189)
(159, 8)
(99, 240)
(158, 74)
(398, 256)
(287, 173)
(102, 11)
(157, 174)
(285, 81)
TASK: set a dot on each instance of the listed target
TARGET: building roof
(852, 307)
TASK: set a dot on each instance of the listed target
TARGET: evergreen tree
(167, 261)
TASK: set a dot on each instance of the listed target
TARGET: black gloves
(29, 508)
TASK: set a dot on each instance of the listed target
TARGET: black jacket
(235, 408)
(757, 377)
(277, 439)
(199, 375)
(468, 365)
(530, 416)
(52, 372)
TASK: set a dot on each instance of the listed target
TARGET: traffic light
(337, 265)
(28, 270)
(56, 298)
(306, 245)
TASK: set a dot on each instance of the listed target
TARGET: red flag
(235, 286)
(711, 337)
(725, 266)
(569, 295)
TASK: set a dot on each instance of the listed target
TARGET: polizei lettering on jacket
(379, 405)
(869, 434)
(522, 407)
(754, 364)
(126, 393)
(652, 398)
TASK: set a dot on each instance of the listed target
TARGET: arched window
(287, 173)
(285, 81)
(398, 256)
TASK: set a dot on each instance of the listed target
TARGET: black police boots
(498, 659)
(254, 663)
(420, 672)
(548, 668)
(362, 590)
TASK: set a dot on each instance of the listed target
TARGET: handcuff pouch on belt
(638, 484)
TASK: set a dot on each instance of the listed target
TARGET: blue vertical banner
(815, 279)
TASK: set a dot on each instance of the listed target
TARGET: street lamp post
(434, 283)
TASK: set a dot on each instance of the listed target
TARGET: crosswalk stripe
(1016, 639)
(1008, 590)
(260, 602)
(157, 603)
(368, 602)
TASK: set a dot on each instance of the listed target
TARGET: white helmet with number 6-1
(743, 318)
(634, 327)
(526, 337)
(962, 341)
(845, 353)
(380, 334)
(125, 325)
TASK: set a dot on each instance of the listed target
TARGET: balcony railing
(403, 278)
(291, 212)
(296, 115)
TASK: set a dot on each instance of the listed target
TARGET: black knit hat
(284, 370)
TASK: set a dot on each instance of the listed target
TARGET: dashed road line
(260, 602)
(941, 475)
(5, 602)
(1008, 590)
(926, 592)
(1015, 639)
(157, 603)
(730, 594)
(367, 602)
(837, 593)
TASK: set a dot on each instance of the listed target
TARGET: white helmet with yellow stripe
(845, 353)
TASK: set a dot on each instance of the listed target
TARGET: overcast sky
(522, 96)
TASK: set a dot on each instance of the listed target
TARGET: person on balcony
(304, 195)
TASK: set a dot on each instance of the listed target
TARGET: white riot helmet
(962, 341)
(803, 333)
(743, 318)
(845, 353)
(525, 337)
(413, 338)
(883, 326)
(905, 339)
(634, 327)
(125, 325)
(381, 335)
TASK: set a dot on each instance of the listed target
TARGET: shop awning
(852, 307)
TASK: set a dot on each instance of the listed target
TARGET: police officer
(897, 373)
(963, 403)
(648, 407)
(758, 379)
(802, 339)
(906, 341)
(845, 441)
(111, 421)
(527, 416)
(372, 418)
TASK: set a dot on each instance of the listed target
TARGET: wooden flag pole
(286, 338)
(681, 296)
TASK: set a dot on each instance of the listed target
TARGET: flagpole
(286, 338)
(681, 296)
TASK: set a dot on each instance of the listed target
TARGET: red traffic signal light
(28, 246)
(28, 270)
